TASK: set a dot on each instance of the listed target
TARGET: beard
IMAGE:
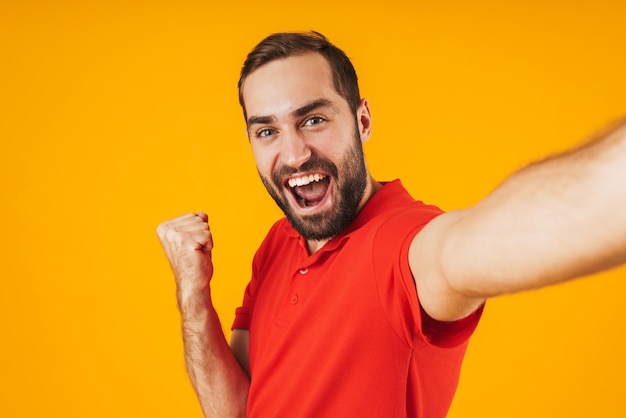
(349, 189)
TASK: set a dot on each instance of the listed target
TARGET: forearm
(220, 383)
(552, 221)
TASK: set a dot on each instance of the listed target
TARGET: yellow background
(117, 115)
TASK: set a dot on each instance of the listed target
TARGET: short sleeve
(449, 334)
(243, 314)
(393, 271)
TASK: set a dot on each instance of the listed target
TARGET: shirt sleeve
(406, 313)
(449, 334)
(243, 313)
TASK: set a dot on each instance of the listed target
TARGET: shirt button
(294, 299)
(304, 270)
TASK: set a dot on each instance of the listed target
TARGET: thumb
(207, 246)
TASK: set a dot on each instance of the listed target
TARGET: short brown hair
(287, 44)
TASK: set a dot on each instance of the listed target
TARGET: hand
(187, 243)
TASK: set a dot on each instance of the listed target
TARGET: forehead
(283, 85)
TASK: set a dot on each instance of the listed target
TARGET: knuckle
(161, 228)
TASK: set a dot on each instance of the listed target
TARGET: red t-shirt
(340, 333)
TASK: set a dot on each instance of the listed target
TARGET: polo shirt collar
(392, 195)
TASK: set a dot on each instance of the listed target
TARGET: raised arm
(553, 221)
(219, 381)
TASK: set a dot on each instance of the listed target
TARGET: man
(362, 300)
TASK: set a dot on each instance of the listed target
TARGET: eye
(264, 133)
(314, 120)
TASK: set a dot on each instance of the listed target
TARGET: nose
(295, 150)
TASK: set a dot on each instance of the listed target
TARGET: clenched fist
(187, 243)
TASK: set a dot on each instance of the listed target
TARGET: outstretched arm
(552, 221)
(219, 381)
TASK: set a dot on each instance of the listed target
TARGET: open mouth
(310, 190)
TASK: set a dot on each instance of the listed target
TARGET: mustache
(316, 164)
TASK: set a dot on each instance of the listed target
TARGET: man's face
(307, 144)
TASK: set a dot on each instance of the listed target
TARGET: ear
(364, 120)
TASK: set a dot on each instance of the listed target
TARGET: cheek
(327, 144)
(338, 145)
(263, 161)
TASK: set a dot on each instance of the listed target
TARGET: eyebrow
(312, 106)
(301, 111)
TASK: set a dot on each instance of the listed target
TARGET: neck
(314, 246)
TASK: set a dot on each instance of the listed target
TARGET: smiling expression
(307, 144)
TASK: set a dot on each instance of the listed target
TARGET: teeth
(304, 180)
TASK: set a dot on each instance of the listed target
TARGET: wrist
(193, 299)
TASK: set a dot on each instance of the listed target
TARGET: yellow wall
(116, 115)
